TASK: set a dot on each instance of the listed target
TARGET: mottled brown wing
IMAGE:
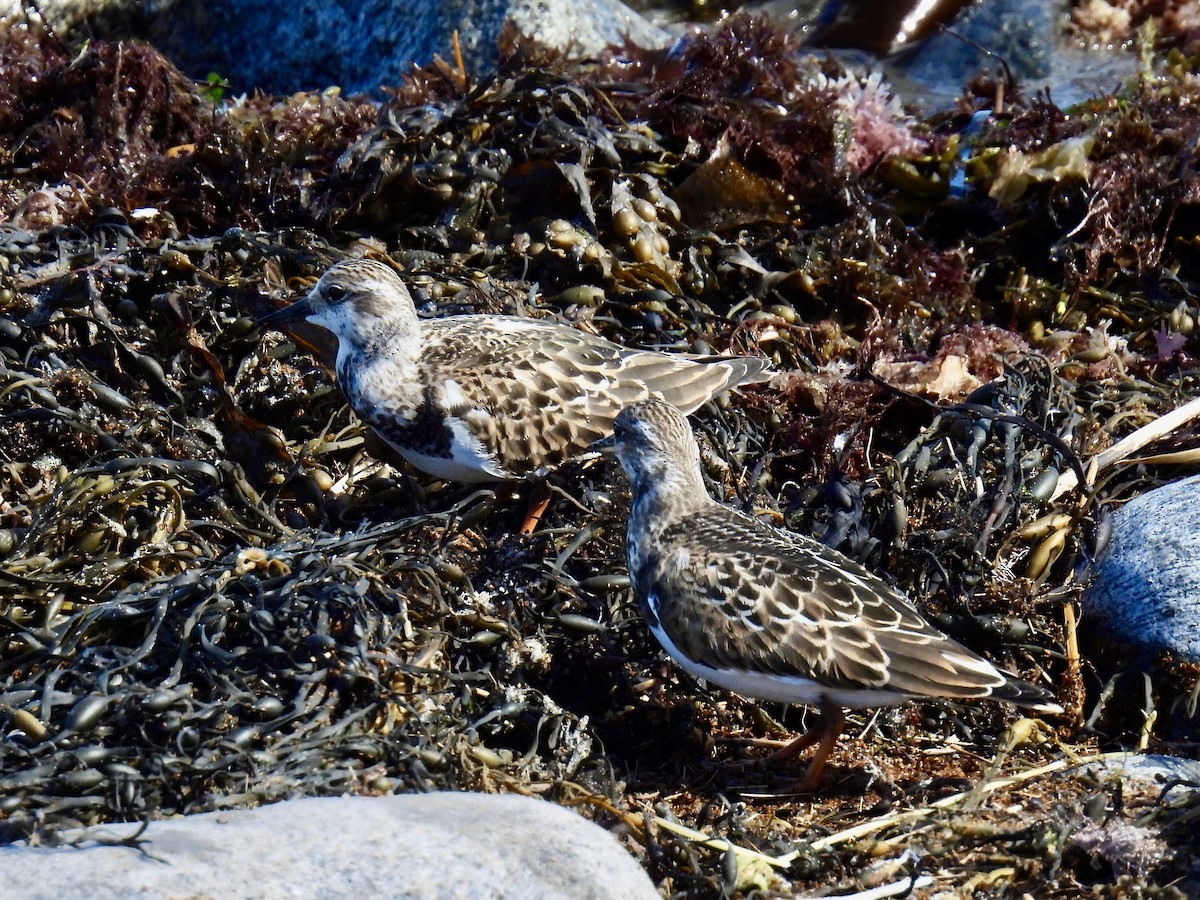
(537, 393)
(736, 594)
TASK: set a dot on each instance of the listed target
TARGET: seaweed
(216, 590)
(116, 125)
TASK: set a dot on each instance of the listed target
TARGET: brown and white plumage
(775, 615)
(483, 398)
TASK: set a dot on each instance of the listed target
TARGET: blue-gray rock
(929, 66)
(981, 33)
(315, 44)
(418, 847)
(1025, 34)
(1146, 591)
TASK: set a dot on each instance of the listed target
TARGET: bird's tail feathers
(689, 389)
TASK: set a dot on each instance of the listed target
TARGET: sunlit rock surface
(1147, 587)
(442, 845)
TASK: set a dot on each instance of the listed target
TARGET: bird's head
(362, 301)
(657, 450)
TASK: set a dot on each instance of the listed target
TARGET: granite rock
(441, 846)
(315, 44)
(1147, 776)
(1146, 589)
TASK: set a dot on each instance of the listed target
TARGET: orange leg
(539, 499)
(824, 734)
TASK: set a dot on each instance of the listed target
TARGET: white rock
(1146, 591)
(417, 847)
(65, 16)
(1145, 775)
(1135, 842)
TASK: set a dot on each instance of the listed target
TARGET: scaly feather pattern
(772, 614)
(481, 398)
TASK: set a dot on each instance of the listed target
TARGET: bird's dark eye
(334, 293)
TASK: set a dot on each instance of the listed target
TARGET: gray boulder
(1146, 591)
(418, 847)
(314, 44)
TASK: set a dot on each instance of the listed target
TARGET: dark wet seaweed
(215, 591)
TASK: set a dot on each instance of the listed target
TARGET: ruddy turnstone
(483, 398)
(775, 615)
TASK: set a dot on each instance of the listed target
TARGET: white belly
(779, 688)
(468, 462)
(467, 470)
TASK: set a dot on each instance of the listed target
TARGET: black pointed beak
(604, 445)
(288, 315)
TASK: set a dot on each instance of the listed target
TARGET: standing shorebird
(489, 398)
(775, 615)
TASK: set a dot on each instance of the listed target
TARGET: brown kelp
(215, 590)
